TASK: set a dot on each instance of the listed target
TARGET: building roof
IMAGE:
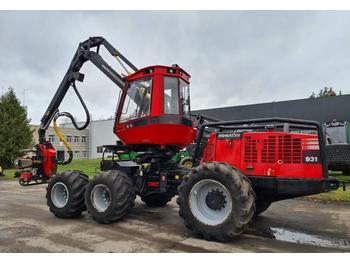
(321, 109)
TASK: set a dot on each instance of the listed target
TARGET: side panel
(158, 133)
(281, 155)
(268, 154)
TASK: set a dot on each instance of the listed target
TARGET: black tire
(186, 162)
(157, 199)
(261, 206)
(121, 199)
(75, 181)
(241, 195)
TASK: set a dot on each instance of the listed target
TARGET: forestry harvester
(243, 167)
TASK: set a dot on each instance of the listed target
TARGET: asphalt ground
(297, 225)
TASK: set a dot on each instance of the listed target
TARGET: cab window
(171, 95)
(137, 102)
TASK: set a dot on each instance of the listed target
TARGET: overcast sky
(234, 57)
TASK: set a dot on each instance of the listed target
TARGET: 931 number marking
(311, 159)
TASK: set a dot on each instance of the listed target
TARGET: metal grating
(250, 151)
(286, 149)
(268, 153)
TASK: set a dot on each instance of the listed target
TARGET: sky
(233, 57)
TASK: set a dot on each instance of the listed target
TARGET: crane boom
(83, 54)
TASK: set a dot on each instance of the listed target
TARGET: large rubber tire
(121, 194)
(240, 201)
(186, 162)
(157, 199)
(75, 183)
(261, 207)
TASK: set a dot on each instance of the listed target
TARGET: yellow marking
(177, 177)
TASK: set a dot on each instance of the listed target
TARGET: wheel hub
(101, 197)
(210, 202)
(215, 199)
(59, 195)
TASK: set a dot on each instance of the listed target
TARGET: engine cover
(270, 153)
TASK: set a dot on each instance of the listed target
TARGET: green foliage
(326, 91)
(15, 132)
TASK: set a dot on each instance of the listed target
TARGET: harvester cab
(154, 108)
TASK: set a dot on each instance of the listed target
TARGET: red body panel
(48, 159)
(160, 134)
(26, 176)
(158, 128)
(275, 154)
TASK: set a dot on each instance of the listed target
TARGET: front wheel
(216, 201)
(65, 194)
(109, 196)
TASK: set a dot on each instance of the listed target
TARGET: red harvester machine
(245, 166)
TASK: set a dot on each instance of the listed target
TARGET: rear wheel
(157, 199)
(109, 196)
(216, 201)
(65, 194)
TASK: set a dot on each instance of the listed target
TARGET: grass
(335, 196)
(88, 166)
(91, 167)
(9, 173)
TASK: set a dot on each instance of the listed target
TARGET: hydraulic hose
(66, 144)
(66, 114)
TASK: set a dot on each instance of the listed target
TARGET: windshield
(137, 102)
(337, 134)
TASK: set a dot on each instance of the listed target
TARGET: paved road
(26, 225)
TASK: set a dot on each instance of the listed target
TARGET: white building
(100, 132)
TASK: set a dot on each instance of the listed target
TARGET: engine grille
(274, 148)
(250, 150)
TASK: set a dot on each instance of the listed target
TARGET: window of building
(69, 139)
(76, 154)
(84, 154)
(52, 138)
(99, 149)
(83, 139)
(76, 139)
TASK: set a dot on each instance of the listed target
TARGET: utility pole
(24, 99)
(24, 96)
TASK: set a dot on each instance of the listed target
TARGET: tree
(15, 132)
(326, 91)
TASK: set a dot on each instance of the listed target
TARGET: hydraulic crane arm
(83, 54)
